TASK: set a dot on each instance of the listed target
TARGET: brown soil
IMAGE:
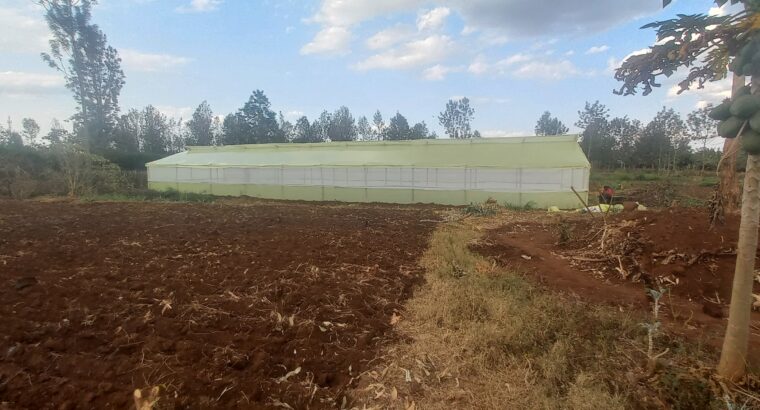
(673, 248)
(224, 306)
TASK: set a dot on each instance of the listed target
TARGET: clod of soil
(220, 306)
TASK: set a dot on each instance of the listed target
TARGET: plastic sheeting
(486, 179)
(538, 169)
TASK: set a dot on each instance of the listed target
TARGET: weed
(565, 230)
(529, 206)
(485, 209)
(170, 195)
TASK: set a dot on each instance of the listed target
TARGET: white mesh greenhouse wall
(485, 179)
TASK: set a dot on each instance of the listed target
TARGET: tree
(286, 127)
(91, 68)
(377, 121)
(419, 131)
(548, 125)
(398, 129)
(258, 122)
(701, 129)
(200, 126)
(30, 130)
(686, 42)
(57, 133)
(342, 125)
(658, 145)
(456, 118)
(624, 132)
(363, 129)
(155, 131)
(128, 132)
(10, 137)
(302, 131)
(321, 126)
(232, 130)
(595, 139)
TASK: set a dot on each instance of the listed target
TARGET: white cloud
(431, 49)
(569, 53)
(493, 38)
(481, 66)
(437, 72)
(330, 40)
(289, 29)
(535, 18)
(433, 19)
(389, 37)
(148, 62)
(18, 83)
(22, 30)
(508, 18)
(713, 91)
(597, 49)
(523, 65)
(347, 13)
(200, 6)
(547, 70)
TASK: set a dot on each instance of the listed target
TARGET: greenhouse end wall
(390, 172)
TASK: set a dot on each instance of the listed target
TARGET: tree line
(666, 142)
(92, 70)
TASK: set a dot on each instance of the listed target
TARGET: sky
(513, 59)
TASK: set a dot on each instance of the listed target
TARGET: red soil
(656, 249)
(219, 305)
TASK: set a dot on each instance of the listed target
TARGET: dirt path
(219, 305)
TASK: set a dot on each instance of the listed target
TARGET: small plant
(529, 206)
(480, 209)
(565, 231)
(653, 327)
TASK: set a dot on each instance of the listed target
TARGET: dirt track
(220, 305)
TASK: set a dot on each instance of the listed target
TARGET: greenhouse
(541, 171)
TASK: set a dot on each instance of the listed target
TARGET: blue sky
(512, 58)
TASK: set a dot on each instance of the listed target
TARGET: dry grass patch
(480, 337)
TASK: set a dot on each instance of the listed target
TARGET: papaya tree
(707, 48)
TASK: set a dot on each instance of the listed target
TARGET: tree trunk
(735, 344)
(733, 357)
(728, 187)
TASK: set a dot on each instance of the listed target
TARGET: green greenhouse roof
(514, 152)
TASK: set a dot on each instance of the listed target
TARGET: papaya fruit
(745, 106)
(721, 112)
(754, 121)
(751, 141)
(730, 127)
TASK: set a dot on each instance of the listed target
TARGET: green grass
(170, 195)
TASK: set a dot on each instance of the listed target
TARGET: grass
(622, 177)
(170, 195)
(482, 336)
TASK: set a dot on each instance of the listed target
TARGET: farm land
(240, 303)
